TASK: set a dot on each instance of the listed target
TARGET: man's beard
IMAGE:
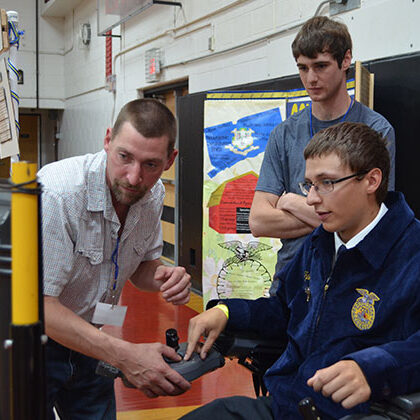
(125, 197)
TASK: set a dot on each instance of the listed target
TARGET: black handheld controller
(189, 369)
(195, 367)
(308, 410)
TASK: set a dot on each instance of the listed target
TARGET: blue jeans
(73, 387)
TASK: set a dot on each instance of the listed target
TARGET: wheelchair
(258, 354)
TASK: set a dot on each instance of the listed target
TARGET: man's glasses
(325, 186)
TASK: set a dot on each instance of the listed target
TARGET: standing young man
(101, 226)
(323, 51)
(347, 306)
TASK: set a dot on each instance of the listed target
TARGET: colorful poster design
(231, 142)
(230, 203)
(235, 263)
(236, 130)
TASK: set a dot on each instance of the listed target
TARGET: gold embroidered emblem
(307, 278)
(363, 310)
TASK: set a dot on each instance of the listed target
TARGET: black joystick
(172, 338)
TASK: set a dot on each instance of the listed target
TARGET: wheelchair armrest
(401, 407)
(409, 403)
(253, 352)
(240, 345)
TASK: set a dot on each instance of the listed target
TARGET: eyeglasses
(325, 186)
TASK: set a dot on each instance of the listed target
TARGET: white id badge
(105, 313)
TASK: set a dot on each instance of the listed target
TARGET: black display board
(190, 111)
(397, 98)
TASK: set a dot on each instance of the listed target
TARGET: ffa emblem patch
(363, 311)
(243, 275)
(307, 278)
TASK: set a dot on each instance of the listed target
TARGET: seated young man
(348, 304)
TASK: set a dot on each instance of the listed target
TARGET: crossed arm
(285, 217)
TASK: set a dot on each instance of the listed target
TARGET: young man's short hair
(321, 34)
(358, 146)
(150, 118)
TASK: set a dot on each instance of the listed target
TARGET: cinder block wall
(214, 43)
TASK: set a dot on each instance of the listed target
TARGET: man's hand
(344, 382)
(176, 284)
(210, 324)
(146, 369)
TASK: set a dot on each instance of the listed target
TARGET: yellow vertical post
(26, 329)
(24, 236)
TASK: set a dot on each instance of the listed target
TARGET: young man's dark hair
(321, 34)
(358, 146)
(150, 118)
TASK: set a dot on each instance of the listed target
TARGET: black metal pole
(5, 315)
(28, 372)
(5, 299)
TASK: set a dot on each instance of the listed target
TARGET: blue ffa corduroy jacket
(370, 313)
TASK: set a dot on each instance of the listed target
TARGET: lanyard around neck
(342, 119)
(114, 258)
